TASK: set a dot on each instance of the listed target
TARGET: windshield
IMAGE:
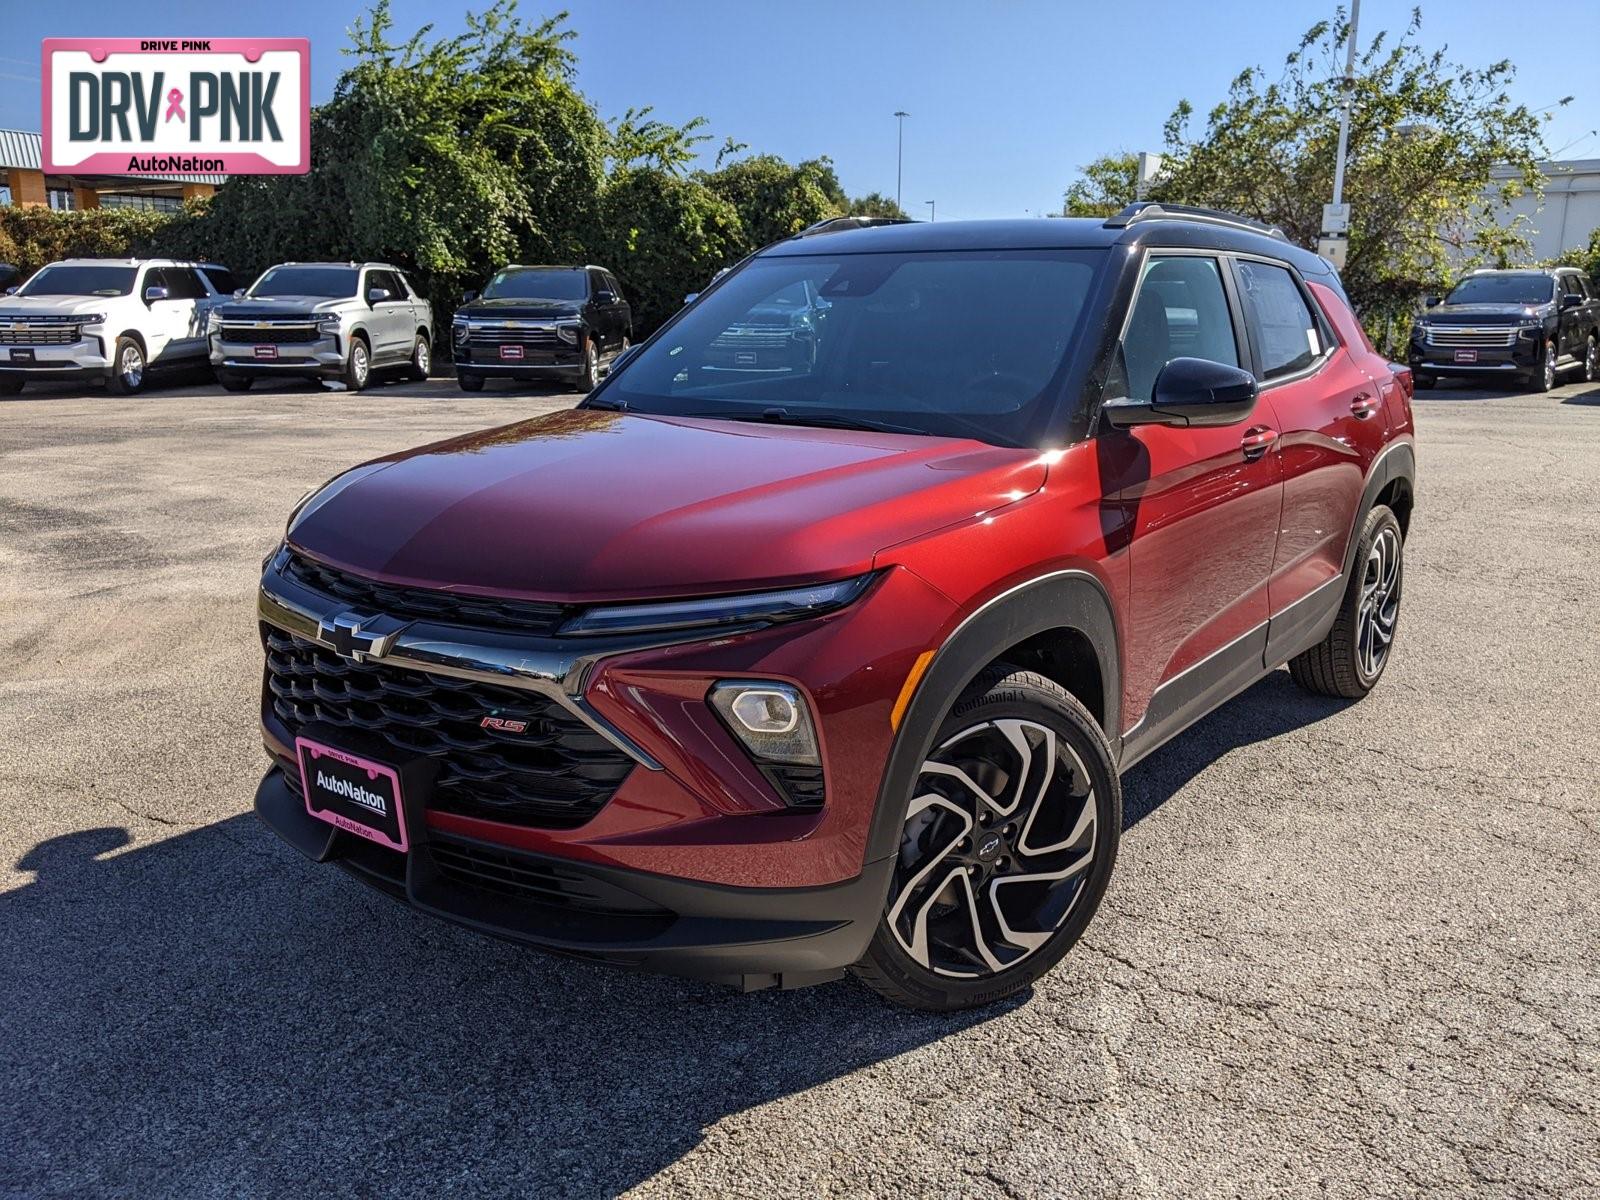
(81, 281)
(333, 282)
(1503, 289)
(558, 284)
(952, 344)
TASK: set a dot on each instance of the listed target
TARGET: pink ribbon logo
(175, 105)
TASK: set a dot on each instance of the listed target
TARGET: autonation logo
(354, 793)
(222, 106)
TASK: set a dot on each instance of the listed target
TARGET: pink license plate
(1466, 356)
(266, 352)
(353, 793)
(511, 352)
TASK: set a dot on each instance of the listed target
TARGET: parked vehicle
(1530, 324)
(764, 677)
(116, 320)
(541, 323)
(330, 321)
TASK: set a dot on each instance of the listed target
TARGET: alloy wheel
(358, 361)
(422, 359)
(996, 849)
(130, 366)
(1379, 608)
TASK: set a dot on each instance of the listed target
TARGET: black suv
(539, 323)
(1531, 324)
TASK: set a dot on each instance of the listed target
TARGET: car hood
(1468, 314)
(596, 505)
(55, 306)
(520, 308)
(281, 306)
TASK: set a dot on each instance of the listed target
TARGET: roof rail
(839, 224)
(1149, 210)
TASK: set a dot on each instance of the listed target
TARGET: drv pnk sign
(165, 106)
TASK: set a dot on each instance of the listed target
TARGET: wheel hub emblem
(989, 848)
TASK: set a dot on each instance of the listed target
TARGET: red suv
(764, 669)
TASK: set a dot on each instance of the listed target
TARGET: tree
(1107, 185)
(875, 204)
(776, 199)
(1425, 135)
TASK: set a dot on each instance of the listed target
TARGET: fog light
(771, 719)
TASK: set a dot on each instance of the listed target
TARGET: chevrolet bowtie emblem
(356, 636)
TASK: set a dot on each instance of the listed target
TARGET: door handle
(1257, 440)
(1364, 405)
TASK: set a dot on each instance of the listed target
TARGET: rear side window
(1181, 312)
(182, 284)
(1288, 338)
(221, 279)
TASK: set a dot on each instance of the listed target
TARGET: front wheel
(357, 365)
(1350, 660)
(1544, 375)
(469, 382)
(1424, 380)
(10, 387)
(590, 378)
(127, 367)
(234, 383)
(1007, 844)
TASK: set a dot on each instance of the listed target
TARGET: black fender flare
(1397, 461)
(1065, 599)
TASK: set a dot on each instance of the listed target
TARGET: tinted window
(181, 283)
(330, 282)
(1181, 312)
(1512, 287)
(959, 344)
(221, 278)
(611, 282)
(1570, 285)
(522, 283)
(1287, 336)
(386, 281)
(81, 281)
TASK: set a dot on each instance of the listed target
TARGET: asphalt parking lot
(1349, 950)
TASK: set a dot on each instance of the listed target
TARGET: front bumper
(322, 359)
(1522, 358)
(83, 359)
(553, 360)
(748, 937)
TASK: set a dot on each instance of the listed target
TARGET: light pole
(1349, 99)
(931, 217)
(899, 152)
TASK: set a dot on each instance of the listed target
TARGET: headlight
(568, 333)
(214, 322)
(90, 320)
(771, 719)
(458, 330)
(328, 320)
(791, 604)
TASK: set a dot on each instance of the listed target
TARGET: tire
(357, 365)
(128, 367)
(932, 949)
(421, 359)
(234, 383)
(1423, 381)
(1591, 360)
(1542, 380)
(11, 387)
(469, 383)
(590, 377)
(627, 344)
(1342, 664)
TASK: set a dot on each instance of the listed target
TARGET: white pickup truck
(111, 319)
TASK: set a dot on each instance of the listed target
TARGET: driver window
(1181, 312)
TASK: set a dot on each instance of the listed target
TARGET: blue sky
(1007, 97)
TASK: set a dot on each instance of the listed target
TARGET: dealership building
(23, 181)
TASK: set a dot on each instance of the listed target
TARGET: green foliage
(1106, 186)
(1586, 259)
(33, 236)
(775, 199)
(1425, 135)
(875, 204)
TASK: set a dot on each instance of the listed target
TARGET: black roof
(1066, 233)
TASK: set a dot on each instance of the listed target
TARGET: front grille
(1495, 337)
(273, 335)
(44, 335)
(557, 774)
(494, 338)
(751, 337)
(534, 617)
(539, 883)
(802, 785)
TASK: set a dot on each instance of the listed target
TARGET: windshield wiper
(607, 405)
(782, 416)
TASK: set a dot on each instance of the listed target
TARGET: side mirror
(691, 297)
(155, 293)
(1430, 301)
(376, 296)
(604, 298)
(468, 297)
(12, 290)
(1568, 300)
(1190, 392)
(238, 293)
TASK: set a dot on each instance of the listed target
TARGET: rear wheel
(1006, 847)
(127, 367)
(1424, 380)
(1591, 360)
(357, 364)
(1350, 660)
(234, 383)
(468, 382)
(421, 359)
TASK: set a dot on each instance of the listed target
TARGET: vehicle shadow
(1591, 396)
(213, 1014)
(1271, 707)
